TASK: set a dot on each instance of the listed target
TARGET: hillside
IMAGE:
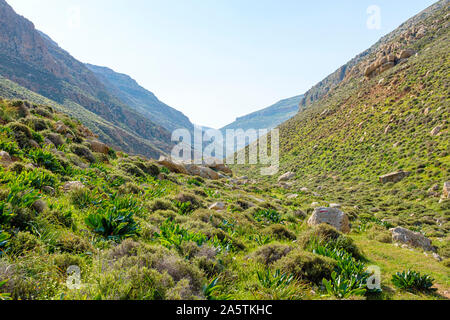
(140, 99)
(35, 62)
(80, 220)
(267, 118)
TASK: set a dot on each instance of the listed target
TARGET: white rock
(331, 216)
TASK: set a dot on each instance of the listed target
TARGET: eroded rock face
(172, 166)
(410, 238)
(331, 216)
(286, 177)
(394, 176)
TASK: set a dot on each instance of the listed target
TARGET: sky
(216, 60)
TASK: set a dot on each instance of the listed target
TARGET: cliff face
(35, 62)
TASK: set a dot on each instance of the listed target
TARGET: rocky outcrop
(410, 238)
(200, 171)
(172, 166)
(394, 176)
(331, 216)
(287, 176)
(220, 167)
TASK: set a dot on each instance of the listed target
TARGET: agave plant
(269, 215)
(342, 287)
(4, 237)
(274, 280)
(172, 234)
(412, 281)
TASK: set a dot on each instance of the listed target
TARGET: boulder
(446, 190)
(292, 196)
(436, 130)
(411, 238)
(39, 206)
(331, 216)
(405, 54)
(73, 185)
(98, 146)
(394, 176)
(221, 168)
(5, 158)
(172, 166)
(203, 172)
(218, 206)
(287, 176)
(49, 190)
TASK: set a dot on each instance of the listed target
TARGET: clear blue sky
(216, 60)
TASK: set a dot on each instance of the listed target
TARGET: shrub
(412, 281)
(83, 152)
(46, 159)
(306, 265)
(23, 243)
(279, 232)
(160, 204)
(71, 243)
(325, 234)
(132, 169)
(131, 188)
(194, 202)
(173, 235)
(271, 253)
(83, 198)
(4, 237)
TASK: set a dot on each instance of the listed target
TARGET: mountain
(141, 100)
(35, 62)
(388, 115)
(269, 117)
(355, 67)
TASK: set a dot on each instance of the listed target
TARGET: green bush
(306, 265)
(267, 215)
(325, 234)
(279, 232)
(271, 253)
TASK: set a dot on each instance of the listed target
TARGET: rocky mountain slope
(35, 62)
(140, 99)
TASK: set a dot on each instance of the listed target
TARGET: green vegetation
(412, 280)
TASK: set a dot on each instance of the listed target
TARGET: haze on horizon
(217, 60)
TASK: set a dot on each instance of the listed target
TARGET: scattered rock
(221, 168)
(172, 166)
(436, 130)
(411, 238)
(98, 146)
(203, 172)
(287, 176)
(331, 216)
(335, 205)
(48, 190)
(5, 158)
(292, 196)
(394, 176)
(446, 190)
(304, 189)
(437, 257)
(73, 185)
(39, 206)
(315, 204)
(218, 206)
